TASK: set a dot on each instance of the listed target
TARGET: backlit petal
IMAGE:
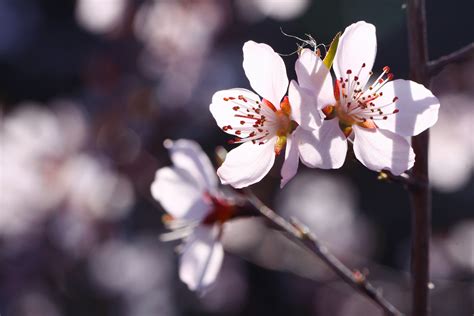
(231, 108)
(290, 165)
(303, 107)
(383, 150)
(266, 71)
(417, 107)
(247, 164)
(357, 46)
(202, 258)
(188, 156)
(314, 76)
(324, 148)
(179, 194)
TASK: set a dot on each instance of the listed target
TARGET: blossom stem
(435, 66)
(300, 234)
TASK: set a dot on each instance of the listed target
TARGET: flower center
(221, 211)
(359, 105)
(260, 121)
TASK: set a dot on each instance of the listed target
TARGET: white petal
(202, 258)
(324, 148)
(314, 76)
(189, 156)
(229, 106)
(303, 107)
(247, 164)
(382, 150)
(179, 194)
(266, 71)
(418, 107)
(290, 165)
(357, 45)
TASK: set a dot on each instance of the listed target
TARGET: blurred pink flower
(197, 210)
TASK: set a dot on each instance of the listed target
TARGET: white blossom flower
(197, 210)
(379, 116)
(264, 126)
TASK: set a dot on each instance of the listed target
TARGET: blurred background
(89, 89)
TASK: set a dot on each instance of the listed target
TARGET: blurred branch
(303, 237)
(435, 66)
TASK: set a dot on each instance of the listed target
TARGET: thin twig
(404, 179)
(420, 196)
(302, 236)
(435, 66)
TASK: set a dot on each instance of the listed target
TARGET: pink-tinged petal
(179, 194)
(189, 156)
(417, 107)
(266, 71)
(290, 165)
(303, 107)
(357, 47)
(247, 164)
(314, 76)
(231, 108)
(382, 150)
(202, 258)
(324, 148)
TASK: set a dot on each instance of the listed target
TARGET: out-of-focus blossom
(177, 36)
(379, 116)
(460, 244)
(281, 10)
(327, 204)
(263, 126)
(197, 210)
(139, 272)
(451, 137)
(34, 302)
(45, 169)
(100, 16)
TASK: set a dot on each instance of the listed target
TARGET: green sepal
(329, 58)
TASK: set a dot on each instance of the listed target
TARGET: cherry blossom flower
(264, 126)
(377, 116)
(197, 210)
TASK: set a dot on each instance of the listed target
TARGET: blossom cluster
(311, 119)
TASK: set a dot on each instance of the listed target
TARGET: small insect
(304, 43)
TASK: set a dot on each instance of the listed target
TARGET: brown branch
(420, 196)
(435, 66)
(405, 179)
(303, 237)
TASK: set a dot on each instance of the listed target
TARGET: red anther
(348, 71)
(395, 99)
(226, 99)
(384, 117)
(231, 98)
(238, 132)
(241, 97)
(390, 76)
(236, 108)
(356, 78)
(242, 122)
(396, 111)
(386, 69)
(363, 65)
